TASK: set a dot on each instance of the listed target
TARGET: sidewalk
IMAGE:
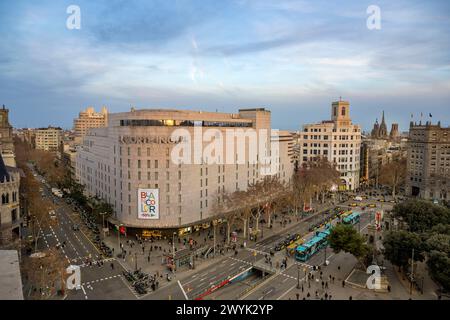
(156, 249)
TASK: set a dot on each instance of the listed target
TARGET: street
(216, 278)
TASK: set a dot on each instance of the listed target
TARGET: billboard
(148, 204)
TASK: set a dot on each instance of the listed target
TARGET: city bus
(312, 246)
(352, 218)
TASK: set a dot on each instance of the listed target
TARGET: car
(372, 205)
(358, 198)
(353, 205)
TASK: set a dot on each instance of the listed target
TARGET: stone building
(428, 166)
(338, 140)
(6, 138)
(134, 155)
(10, 217)
(88, 119)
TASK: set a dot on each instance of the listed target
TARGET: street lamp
(298, 276)
(173, 250)
(135, 261)
(118, 234)
(103, 218)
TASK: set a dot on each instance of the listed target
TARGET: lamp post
(173, 251)
(118, 235)
(214, 223)
(135, 261)
(298, 276)
(103, 219)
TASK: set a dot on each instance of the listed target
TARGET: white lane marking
(182, 290)
(84, 291)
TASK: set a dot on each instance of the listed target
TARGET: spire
(382, 120)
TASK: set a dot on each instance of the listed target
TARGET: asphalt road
(105, 282)
(279, 286)
(98, 281)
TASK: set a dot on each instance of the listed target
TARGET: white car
(358, 198)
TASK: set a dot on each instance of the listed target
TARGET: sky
(291, 57)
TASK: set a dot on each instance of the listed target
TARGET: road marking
(84, 291)
(182, 290)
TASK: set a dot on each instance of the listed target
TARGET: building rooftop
(10, 280)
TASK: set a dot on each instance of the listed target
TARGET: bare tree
(393, 174)
(44, 271)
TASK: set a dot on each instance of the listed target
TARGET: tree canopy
(346, 238)
(398, 247)
(421, 215)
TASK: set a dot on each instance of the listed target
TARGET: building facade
(338, 140)
(88, 119)
(6, 138)
(428, 166)
(375, 153)
(48, 139)
(10, 220)
(137, 150)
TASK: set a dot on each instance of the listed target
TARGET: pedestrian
(343, 283)
(308, 295)
(350, 298)
(302, 288)
(298, 296)
(326, 284)
(339, 267)
(112, 265)
(323, 284)
(326, 296)
(148, 259)
(329, 297)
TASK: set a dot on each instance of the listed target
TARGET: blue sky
(292, 57)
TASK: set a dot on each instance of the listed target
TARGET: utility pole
(325, 256)
(135, 261)
(298, 276)
(214, 232)
(412, 272)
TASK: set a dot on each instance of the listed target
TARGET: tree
(345, 238)
(438, 242)
(421, 215)
(45, 271)
(393, 174)
(325, 176)
(439, 266)
(398, 246)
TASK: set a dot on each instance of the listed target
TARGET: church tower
(383, 133)
(6, 138)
